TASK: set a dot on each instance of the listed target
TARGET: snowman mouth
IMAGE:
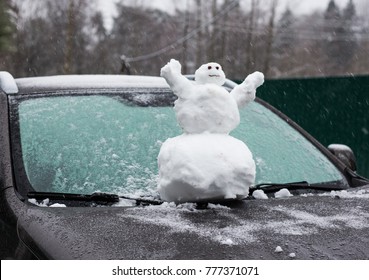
(213, 76)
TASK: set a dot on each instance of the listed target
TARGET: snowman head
(210, 73)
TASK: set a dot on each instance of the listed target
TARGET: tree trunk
(199, 41)
(213, 34)
(185, 43)
(270, 37)
(249, 38)
(69, 40)
(223, 42)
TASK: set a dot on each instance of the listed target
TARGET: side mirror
(344, 154)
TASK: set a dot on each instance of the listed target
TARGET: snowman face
(210, 73)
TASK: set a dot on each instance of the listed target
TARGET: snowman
(205, 162)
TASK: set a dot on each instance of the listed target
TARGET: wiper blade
(140, 200)
(94, 197)
(274, 187)
(98, 197)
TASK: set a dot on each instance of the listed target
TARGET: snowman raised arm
(171, 72)
(245, 92)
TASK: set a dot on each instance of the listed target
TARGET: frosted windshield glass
(83, 144)
(281, 153)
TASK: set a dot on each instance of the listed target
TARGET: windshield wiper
(303, 185)
(140, 200)
(97, 197)
(94, 197)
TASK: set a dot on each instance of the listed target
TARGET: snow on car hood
(296, 221)
(333, 226)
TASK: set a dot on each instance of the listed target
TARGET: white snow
(356, 193)
(292, 255)
(57, 205)
(339, 147)
(172, 216)
(282, 193)
(259, 194)
(45, 203)
(227, 241)
(7, 82)
(124, 203)
(205, 162)
(195, 167)
(296, 221)
(115, 156)
(245, 92)
(217, 206)
(278, 249)
(209, 108)
(85, 81)
(210, 73)
(203, 106)
(304, 222)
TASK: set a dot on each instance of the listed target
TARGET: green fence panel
(333, 110)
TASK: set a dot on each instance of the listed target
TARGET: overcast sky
(297, 6)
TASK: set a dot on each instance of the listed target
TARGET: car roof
(59, 82)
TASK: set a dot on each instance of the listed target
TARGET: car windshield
(108, 143)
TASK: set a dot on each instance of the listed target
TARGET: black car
(78, 178)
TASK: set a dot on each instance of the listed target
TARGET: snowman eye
(217, 67)
(209, 67)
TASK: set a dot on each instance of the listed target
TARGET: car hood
(329, 226)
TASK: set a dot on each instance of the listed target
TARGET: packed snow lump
(205, 162)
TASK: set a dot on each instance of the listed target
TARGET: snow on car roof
(89, 81)
(7, 82)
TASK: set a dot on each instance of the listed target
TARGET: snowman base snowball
(198, 167)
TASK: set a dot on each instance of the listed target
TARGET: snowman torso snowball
(209, 108)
